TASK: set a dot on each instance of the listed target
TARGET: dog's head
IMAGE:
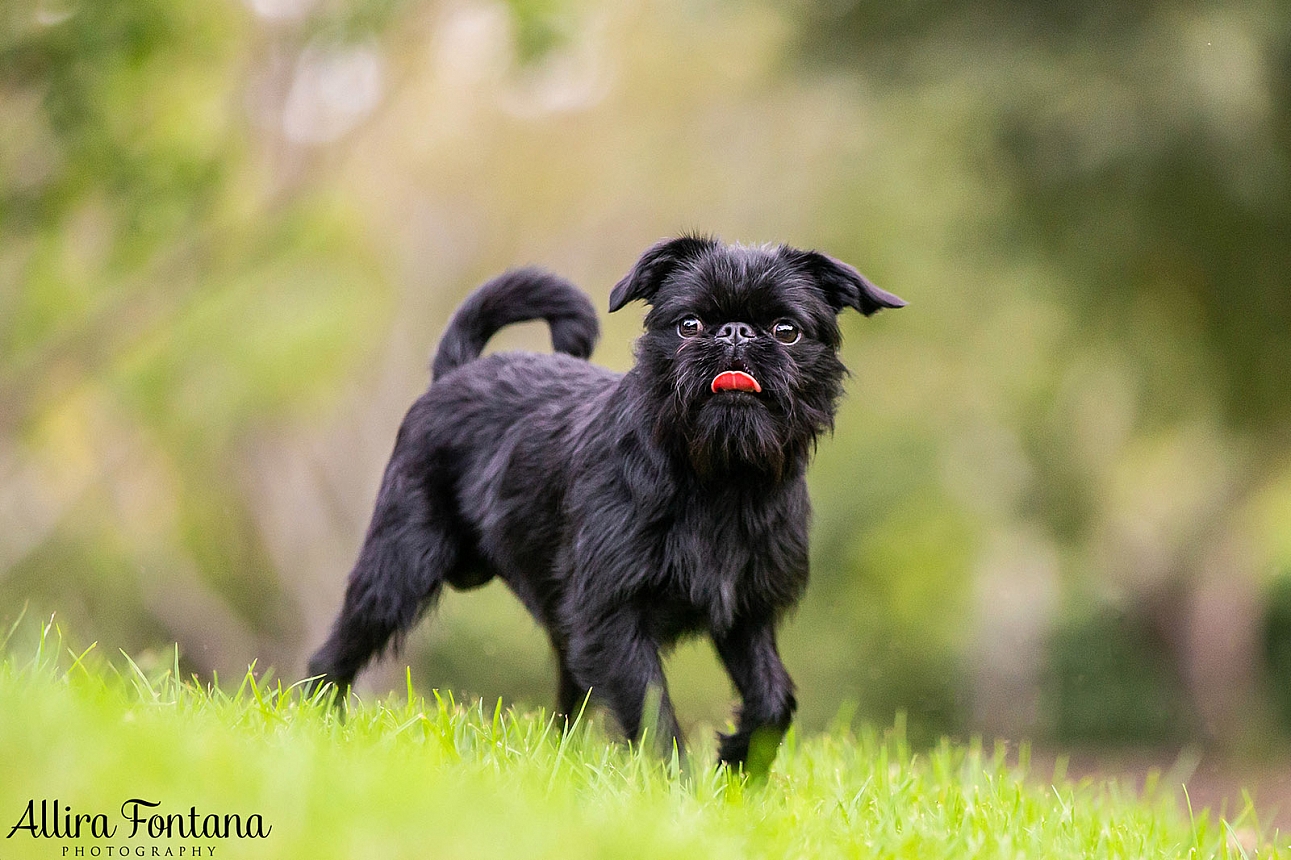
(740, 354)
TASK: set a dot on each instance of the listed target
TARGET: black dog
(625, 511)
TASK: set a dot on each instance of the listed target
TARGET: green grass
(417, 777)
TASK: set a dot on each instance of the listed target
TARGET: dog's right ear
(654, 266)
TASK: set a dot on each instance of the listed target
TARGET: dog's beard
(731, 434)
(735, 432)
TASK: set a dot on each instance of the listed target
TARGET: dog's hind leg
(410, 548)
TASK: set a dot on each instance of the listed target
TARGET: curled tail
(517, 296)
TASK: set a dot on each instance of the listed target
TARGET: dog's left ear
(650, 271)
(844, 287)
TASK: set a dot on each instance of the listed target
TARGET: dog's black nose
(735, 333)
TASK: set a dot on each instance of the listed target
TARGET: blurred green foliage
(1059, 496)
(1277, 647)
(160, 303)
(1110, 685)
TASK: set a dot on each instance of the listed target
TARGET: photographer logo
(140, 828)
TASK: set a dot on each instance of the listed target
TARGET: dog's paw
(750, 753)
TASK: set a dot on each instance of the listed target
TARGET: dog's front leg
(619, 662)
(749, 653)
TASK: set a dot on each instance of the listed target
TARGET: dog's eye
(689, 327)
(786, 332)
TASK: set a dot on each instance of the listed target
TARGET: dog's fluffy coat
(625, 511)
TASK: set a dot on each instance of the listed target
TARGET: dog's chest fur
(726, 556)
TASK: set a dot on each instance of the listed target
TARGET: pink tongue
(735, 380)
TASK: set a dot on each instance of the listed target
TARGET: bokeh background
(1058, 501)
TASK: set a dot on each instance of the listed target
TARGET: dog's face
(740, 354)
